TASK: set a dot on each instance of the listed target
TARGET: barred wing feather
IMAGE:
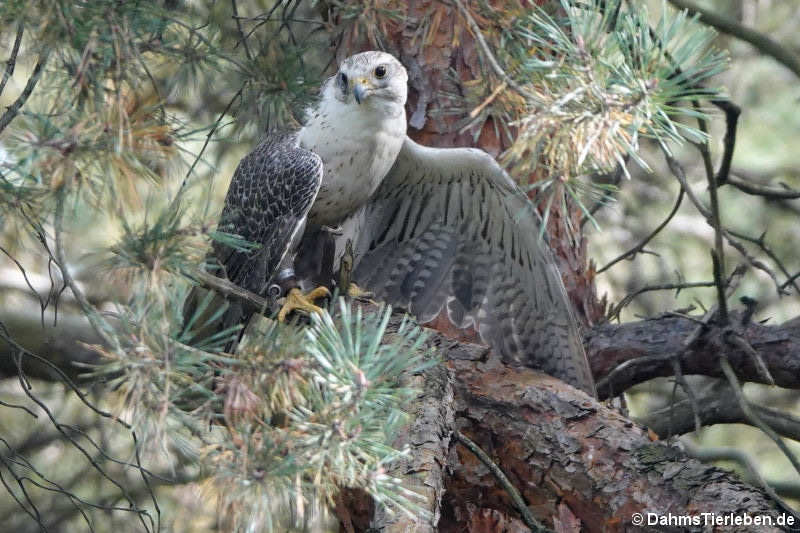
(448, 229)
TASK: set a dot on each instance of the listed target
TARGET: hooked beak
(360, 89)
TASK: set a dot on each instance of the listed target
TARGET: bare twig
(615, 311)
(680, 175)
(13, 109)
(42, 302)
(513, 493)
(732, 112)
(133, 507)
(719, 284)
(714, 219)
(205, 145)
(89, 310)
(751, 416)
(738, 456)
(772, 193)
(242, 37)
(790, 281)
(12, 59)
(681, 380)
(33, 512)
(6, 337)
(740, 342)
(639, 247)
(760, 241)
(727, 25)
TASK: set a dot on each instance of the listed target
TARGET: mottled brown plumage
(270, 194)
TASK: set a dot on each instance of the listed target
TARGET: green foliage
(602, 78)
(597, 78)
(131, 89)
(164, 244)
(317, 412)
(303, 413)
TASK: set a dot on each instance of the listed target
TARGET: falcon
(435, 231)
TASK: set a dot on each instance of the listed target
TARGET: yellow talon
(357, 293)
(296, 300)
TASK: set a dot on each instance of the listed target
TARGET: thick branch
(717, 407)
(429, 437)
(556, 445)
(558, 448)
(626, 354)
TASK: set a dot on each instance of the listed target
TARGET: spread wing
(448, 229)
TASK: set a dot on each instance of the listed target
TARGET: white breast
(358, 145)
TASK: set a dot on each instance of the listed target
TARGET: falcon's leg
(345, 276)
(296, 300)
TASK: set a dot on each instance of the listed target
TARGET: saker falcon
(428, 228)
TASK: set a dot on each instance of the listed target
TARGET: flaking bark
(571, 458)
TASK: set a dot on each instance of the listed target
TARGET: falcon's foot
(296, 300)
(357, 293)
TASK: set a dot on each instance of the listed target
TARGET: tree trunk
(579, 466)
(574, 462)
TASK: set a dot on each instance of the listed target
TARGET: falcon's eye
(343, 79)
(380, 71)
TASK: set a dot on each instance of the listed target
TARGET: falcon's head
(371, 79)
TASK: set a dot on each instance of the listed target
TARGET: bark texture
(578, 465)
(647, 348)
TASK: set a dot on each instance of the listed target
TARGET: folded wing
(449, 230)
(268, 199)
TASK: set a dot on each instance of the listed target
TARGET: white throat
(358, 144)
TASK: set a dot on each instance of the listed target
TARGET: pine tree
(111, 183)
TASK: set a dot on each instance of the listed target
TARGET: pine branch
(625, 354)
(716, 407)
(14, 108)
(11, 63)
(227, 288)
